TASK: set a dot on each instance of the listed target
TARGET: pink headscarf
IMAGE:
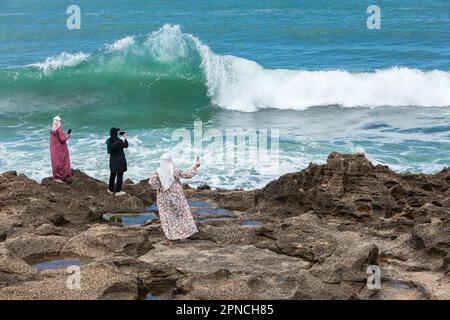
(56, 124)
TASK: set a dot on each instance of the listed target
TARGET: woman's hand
(197, 163)
(125, 136)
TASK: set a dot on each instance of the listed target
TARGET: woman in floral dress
(174, 213)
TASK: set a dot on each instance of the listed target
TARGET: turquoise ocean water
(310, 70)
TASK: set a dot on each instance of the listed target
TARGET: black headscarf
(113, 132)
(113, 136)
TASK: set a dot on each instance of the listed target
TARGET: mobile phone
(121, 133)
(70, 131)
(198, 158)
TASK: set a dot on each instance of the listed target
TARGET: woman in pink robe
(59, 153)
(174, 213)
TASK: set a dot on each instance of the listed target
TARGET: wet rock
(203, 187)
(416, 242)
(234, 200)
(186, 186)
(142, 191)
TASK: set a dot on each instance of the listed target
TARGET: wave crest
(60, 61)
(135, 66)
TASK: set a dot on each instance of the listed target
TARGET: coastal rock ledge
(307, 235)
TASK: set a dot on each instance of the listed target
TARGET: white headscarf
(165, 171)
(56, 123)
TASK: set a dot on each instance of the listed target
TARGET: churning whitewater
(153, 84)
(138, 68)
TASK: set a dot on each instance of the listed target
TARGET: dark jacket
(117, 160)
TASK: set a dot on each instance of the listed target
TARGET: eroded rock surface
(312, 235)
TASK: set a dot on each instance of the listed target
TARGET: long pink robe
(174, 213)
(59, 154)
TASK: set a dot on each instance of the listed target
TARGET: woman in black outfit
(117, 161)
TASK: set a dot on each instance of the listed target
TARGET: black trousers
(112, 180)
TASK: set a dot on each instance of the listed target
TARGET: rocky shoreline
(307, 235)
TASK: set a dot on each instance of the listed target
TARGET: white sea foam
(240, 84)
(62, 60)
(168, 43)
(243, 85)
(121, 44)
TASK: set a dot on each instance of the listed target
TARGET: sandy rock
(98, 281)
(104, 240)
(29, 245)
(51, 230)
(24, 202)
(191, 257)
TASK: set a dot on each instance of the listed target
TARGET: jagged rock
(203, 187)
(24, 202)
(142, 191)
(86, 199)
(349, 185)
(231, 200)
(323, 227)
(186, 186)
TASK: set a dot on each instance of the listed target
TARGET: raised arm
(62, 136)
(186, 174)
(118, 143)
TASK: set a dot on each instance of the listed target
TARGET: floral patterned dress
(174, 213)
